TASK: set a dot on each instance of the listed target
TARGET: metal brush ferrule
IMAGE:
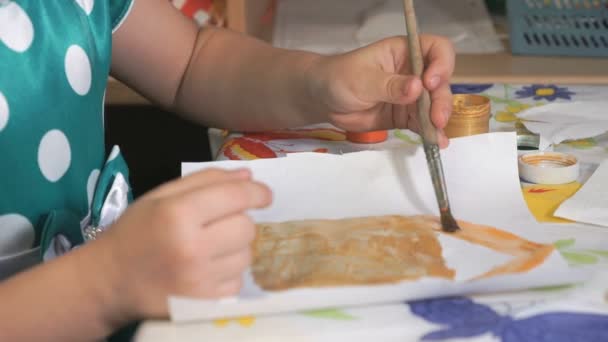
(433, 159)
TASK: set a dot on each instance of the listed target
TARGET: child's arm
(189, 237)
(224, 79)
(66, 299)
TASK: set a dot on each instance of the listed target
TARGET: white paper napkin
(558, 122)
(590, 203)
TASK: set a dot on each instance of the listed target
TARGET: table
(553, 314)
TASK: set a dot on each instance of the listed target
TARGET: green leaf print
(602, 253)
(334, 314)
(561, 244)
(553, 288)
(403, 136)
(580, 258)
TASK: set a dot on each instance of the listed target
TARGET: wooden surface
(506, 68)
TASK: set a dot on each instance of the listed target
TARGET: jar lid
(548, 168)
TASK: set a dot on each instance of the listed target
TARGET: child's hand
(190, 237)
(368, 88)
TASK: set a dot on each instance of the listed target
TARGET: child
(76, 264)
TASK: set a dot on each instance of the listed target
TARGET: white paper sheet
(558, 122)
(482, 178)
(590, 203)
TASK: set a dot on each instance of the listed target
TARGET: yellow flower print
(545, 92)
(509, 114)
(582, 144)
(543, 200)
(246, 321)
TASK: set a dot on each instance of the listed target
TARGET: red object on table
(202, 11)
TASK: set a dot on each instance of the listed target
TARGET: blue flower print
(464, 318)
(470, 88)
(546, 92)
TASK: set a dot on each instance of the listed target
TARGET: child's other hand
(370, 89)
(190, 237)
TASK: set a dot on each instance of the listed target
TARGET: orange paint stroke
(527, 254)
(522, 263)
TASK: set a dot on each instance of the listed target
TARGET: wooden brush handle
(427, 129)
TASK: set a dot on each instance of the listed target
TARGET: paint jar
(372, 137)
(470, 116)
(526, 140)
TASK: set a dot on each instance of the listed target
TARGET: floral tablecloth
(549, 314)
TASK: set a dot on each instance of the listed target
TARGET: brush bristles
(448, 223)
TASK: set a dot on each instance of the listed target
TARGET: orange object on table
(371, 137)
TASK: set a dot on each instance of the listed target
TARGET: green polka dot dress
(58, 186)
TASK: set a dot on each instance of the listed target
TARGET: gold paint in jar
(470, 116)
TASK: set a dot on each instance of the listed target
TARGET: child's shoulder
(29, 15)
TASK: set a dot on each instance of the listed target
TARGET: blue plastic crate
(559, 27)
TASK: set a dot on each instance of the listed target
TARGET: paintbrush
(428, 131)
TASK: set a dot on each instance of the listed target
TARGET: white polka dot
(54, 155)
(78, 69)
(3, 111)
(16, 234)
(16, 29)
(91, 184)
(87, 5)
(114, 153)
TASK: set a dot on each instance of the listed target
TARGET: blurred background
(510, 41)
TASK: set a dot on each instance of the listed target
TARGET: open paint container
(526, 140)
(470, 116)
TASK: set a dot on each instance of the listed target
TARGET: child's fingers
(442, 139)
(413, 125)
(204, 205)
(229, 288)
(392, 88)
(441, 106)
(198, 179)
(232, 266)
(439, 59)
(229, 235)
(209, 288)
(402, 115)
